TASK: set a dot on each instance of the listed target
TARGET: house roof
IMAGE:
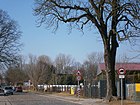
(126, 66)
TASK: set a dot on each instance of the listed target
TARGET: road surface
(32, 99)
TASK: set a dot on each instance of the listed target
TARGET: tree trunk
(108, 73)
(109, 57)
(114, 45)
(113, 72)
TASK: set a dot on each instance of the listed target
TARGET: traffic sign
(78, 73)
(121, 76)
(121, 71)
(78, 77)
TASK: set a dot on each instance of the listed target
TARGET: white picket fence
(56, 88)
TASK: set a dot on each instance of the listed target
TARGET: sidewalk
(86, 101)
(82, 101)
(90, 101)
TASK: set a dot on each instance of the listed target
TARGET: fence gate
(102, 88)
(95, 89)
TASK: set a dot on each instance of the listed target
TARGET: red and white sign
(121, 71)
(78, 77)
(78, 73)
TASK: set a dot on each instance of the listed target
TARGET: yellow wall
(137, 87)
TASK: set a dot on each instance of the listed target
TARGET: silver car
(1, 91)
(8, 90)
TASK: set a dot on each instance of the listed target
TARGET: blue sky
(40, 41)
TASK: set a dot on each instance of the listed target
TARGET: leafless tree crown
(9, 39)
(92, 12)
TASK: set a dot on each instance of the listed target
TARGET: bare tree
(95, 58)
(77, 66)
(90, 66)
(123, 59)
(115, 20)
(44, 69)
(64, 63)
(39, 70)
(31, 67)
(89, 72)
(9, 39)
(15, 75)
(64, 66)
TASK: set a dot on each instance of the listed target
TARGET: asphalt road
(31, 99)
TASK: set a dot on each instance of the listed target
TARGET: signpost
(78, 77)
(121, 72)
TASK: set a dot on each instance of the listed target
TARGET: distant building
(132, 71)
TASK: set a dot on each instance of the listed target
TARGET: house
(132, 71)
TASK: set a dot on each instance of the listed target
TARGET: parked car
(18, 89)
(8, 90)
(1, 91)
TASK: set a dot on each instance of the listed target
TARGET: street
(31, 99)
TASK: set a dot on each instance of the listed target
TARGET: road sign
(121, 71)
(78, 77)
(78, 73)
(121, 76)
